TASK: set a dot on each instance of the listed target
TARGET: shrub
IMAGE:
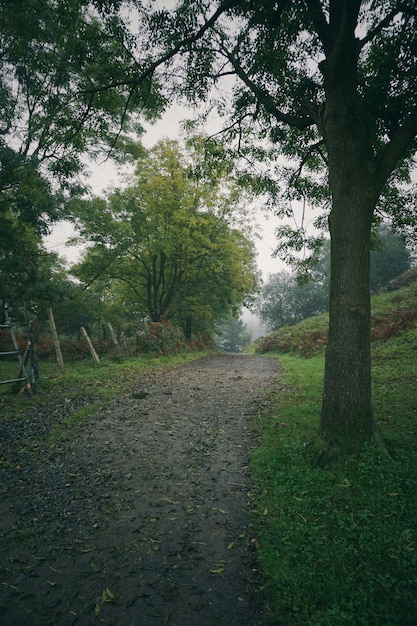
(160, 338)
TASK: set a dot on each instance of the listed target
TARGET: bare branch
(315, 147)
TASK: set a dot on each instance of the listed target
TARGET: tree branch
(301, 122)
(320, 22)
(148, 72)
(315, 147)
(401, 8)
(397, 147)
(231, 126)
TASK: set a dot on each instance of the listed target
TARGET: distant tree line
(285, 299)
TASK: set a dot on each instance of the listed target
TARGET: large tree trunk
(346, 418)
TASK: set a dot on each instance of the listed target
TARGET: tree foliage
(169, 242)
(55, 56)
(322, 93)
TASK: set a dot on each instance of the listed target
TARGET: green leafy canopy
(168, 243)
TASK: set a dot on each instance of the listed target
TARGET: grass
(392, 313)
(337, 545)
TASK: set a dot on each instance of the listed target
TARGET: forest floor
(139, 515)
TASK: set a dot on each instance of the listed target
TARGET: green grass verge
(337, 545)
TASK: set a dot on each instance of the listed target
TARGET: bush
(154, 339)
(306, 338)
(160, 338)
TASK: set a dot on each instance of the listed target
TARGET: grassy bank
(337, 545)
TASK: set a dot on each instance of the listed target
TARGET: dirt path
(141, 516)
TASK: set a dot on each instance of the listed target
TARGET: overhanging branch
(264, 98)
(311, 150)
(397, 147)
(148, 72)
(401, 8)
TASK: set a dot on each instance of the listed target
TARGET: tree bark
(347, 419)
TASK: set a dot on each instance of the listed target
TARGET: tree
(168, 242)
(56, 58)
(284, 301)
(333, 84)
(328, 84)
(27, 202)
(234, 335)
(51, 55)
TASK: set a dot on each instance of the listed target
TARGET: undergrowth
(393, 312)
(337, 544)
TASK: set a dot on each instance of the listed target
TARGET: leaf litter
(142, 514)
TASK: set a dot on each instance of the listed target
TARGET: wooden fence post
(113, 336)
(56, 341)
(90, 345)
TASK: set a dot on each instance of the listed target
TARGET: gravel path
(141, 515)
